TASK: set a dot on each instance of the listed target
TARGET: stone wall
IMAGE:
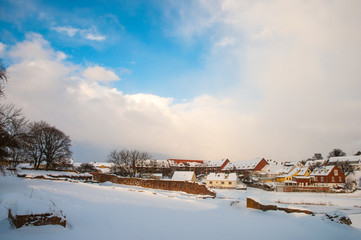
(256, 205)
(58, 177)
(36, 219)
(188, 187)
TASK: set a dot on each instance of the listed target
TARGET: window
(222, 183)
(333, 179)
(322, 180)
(229, 183)
(339, 179)
(336, 172)
(210, 182)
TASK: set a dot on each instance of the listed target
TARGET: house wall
(282, 179)
(332, 178)
(303, 181)
(221, 184)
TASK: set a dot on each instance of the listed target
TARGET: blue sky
(189, 79)
(134, 38)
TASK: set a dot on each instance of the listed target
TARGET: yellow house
(303, 172)
(289, 176)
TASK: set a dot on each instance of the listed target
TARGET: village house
(355, 161)
(151, 166)
(252, 165)
(302, 177)
(198, 166)
(274, 169)
(287, 177)
(184, 164)
(222, 180)
(212, 166)
(327, 176)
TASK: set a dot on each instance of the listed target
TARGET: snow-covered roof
(274, 168)
(184, 163)
(351, 159)
(322, 171)
(293, 172)
(312, 162)
(222, 177)
(217, 163)
(153, 163)
(302, 171)
(183, 176)
(243, 165)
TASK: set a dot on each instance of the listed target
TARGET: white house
(355, 161)
(222, 180)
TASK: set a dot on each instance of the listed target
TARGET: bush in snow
(338, 217)
(86, 167)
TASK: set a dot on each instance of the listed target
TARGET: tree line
(22, 140)
(345, 166)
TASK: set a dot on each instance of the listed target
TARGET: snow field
(113, 211)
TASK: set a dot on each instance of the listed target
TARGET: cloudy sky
(189, 79)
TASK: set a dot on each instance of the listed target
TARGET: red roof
(185, 161)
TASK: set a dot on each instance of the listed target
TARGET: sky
(188, 79)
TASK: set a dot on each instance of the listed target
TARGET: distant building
(355, 161)
(222, 180)
(327, 176)
(198, 166)
(287, 177)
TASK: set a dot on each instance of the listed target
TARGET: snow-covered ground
(110, 211)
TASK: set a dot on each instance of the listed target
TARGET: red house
(327, 176)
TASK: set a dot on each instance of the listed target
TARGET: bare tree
(317, 156)
(336, 153)
(47, 143)
(315, 165)
(125, 161)
(34, 144)
(345, 167)
(12, 134)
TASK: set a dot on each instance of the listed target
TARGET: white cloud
(90, 34)
(100, 74)
(2, 48)
(70, 31)
(95, 37)
(300, 61)
(50, 89)
(295, 67)
(225, 42)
